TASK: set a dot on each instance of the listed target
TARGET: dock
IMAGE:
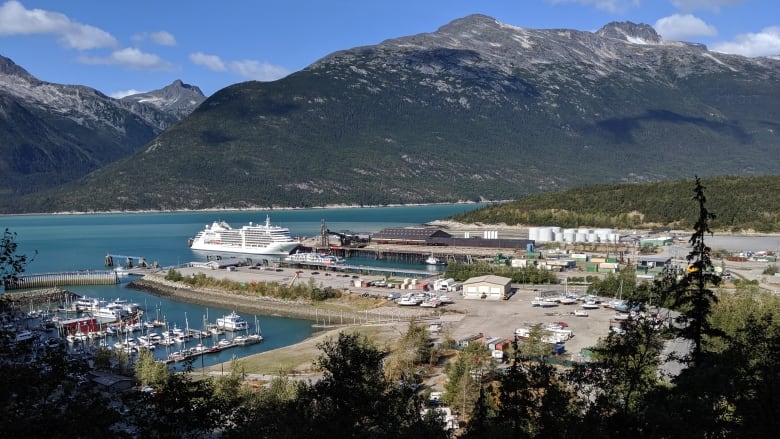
(201, 349)
(125, 261)
(51, 280)
(363, 269)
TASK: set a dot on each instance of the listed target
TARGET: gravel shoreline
(158, 286)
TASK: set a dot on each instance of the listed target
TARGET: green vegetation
(256, 289)
(742, 203)
(726, 387)
(524, 275)
(11, 264)
(360, 131)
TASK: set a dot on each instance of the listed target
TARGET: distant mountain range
(52, 134)
(476, 110)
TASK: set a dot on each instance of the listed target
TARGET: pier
(125, 261)
(50, 280)
(362, 269)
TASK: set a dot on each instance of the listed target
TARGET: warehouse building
(488, 287)
(437, 237)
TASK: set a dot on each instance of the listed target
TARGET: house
(111, 382)
(487, 287)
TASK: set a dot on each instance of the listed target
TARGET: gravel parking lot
(460, 319)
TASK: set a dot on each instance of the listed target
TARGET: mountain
(478, 109)
(178, 99)
(52, 133)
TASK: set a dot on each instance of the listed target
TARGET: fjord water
(79, 242)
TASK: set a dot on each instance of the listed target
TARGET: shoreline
(247, 209)
(216, 298)
(291, 360)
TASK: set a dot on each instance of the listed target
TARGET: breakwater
(26, 299)
(46, 280)
(322, 318)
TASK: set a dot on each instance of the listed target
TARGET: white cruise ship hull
(277, 249)
(251, 239)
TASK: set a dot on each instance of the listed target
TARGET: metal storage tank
(533, 233)
(581, 237)
(592, 237)
(545, 234)
(569, 235)
(603, 234)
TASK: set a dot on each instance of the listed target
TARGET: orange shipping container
(503, 345)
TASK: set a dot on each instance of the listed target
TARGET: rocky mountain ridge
(476, 110)
(54, 133)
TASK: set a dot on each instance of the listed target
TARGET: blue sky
(122, 46)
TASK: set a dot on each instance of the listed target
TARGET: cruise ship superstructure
(255, 239)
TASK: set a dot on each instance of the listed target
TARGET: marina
(170, 343)
(163, 237)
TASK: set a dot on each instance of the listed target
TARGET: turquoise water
(79, 242)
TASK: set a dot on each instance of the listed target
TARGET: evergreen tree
(693, 295)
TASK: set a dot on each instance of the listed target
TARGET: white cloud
(257, 70)
(211, 62)
(132, 58)
(163, 38)
(605, 5)
(15, 19)
(250, 69)
(681, 27)
(764, 43)
(122, 93)
(706, 5)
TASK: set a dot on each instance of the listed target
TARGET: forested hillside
(739, 203)
(476, 110)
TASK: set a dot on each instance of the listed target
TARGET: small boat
(253, 338)
(544, 303)
(590, 305)
(239, 340)
(433, 260)
(568, 300)
(107, 314)
(167, 341)
(23, 336)
(232, 322)
(581, 313)
(430, 303)
(408, 301)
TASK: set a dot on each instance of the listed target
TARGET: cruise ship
(253, 239)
